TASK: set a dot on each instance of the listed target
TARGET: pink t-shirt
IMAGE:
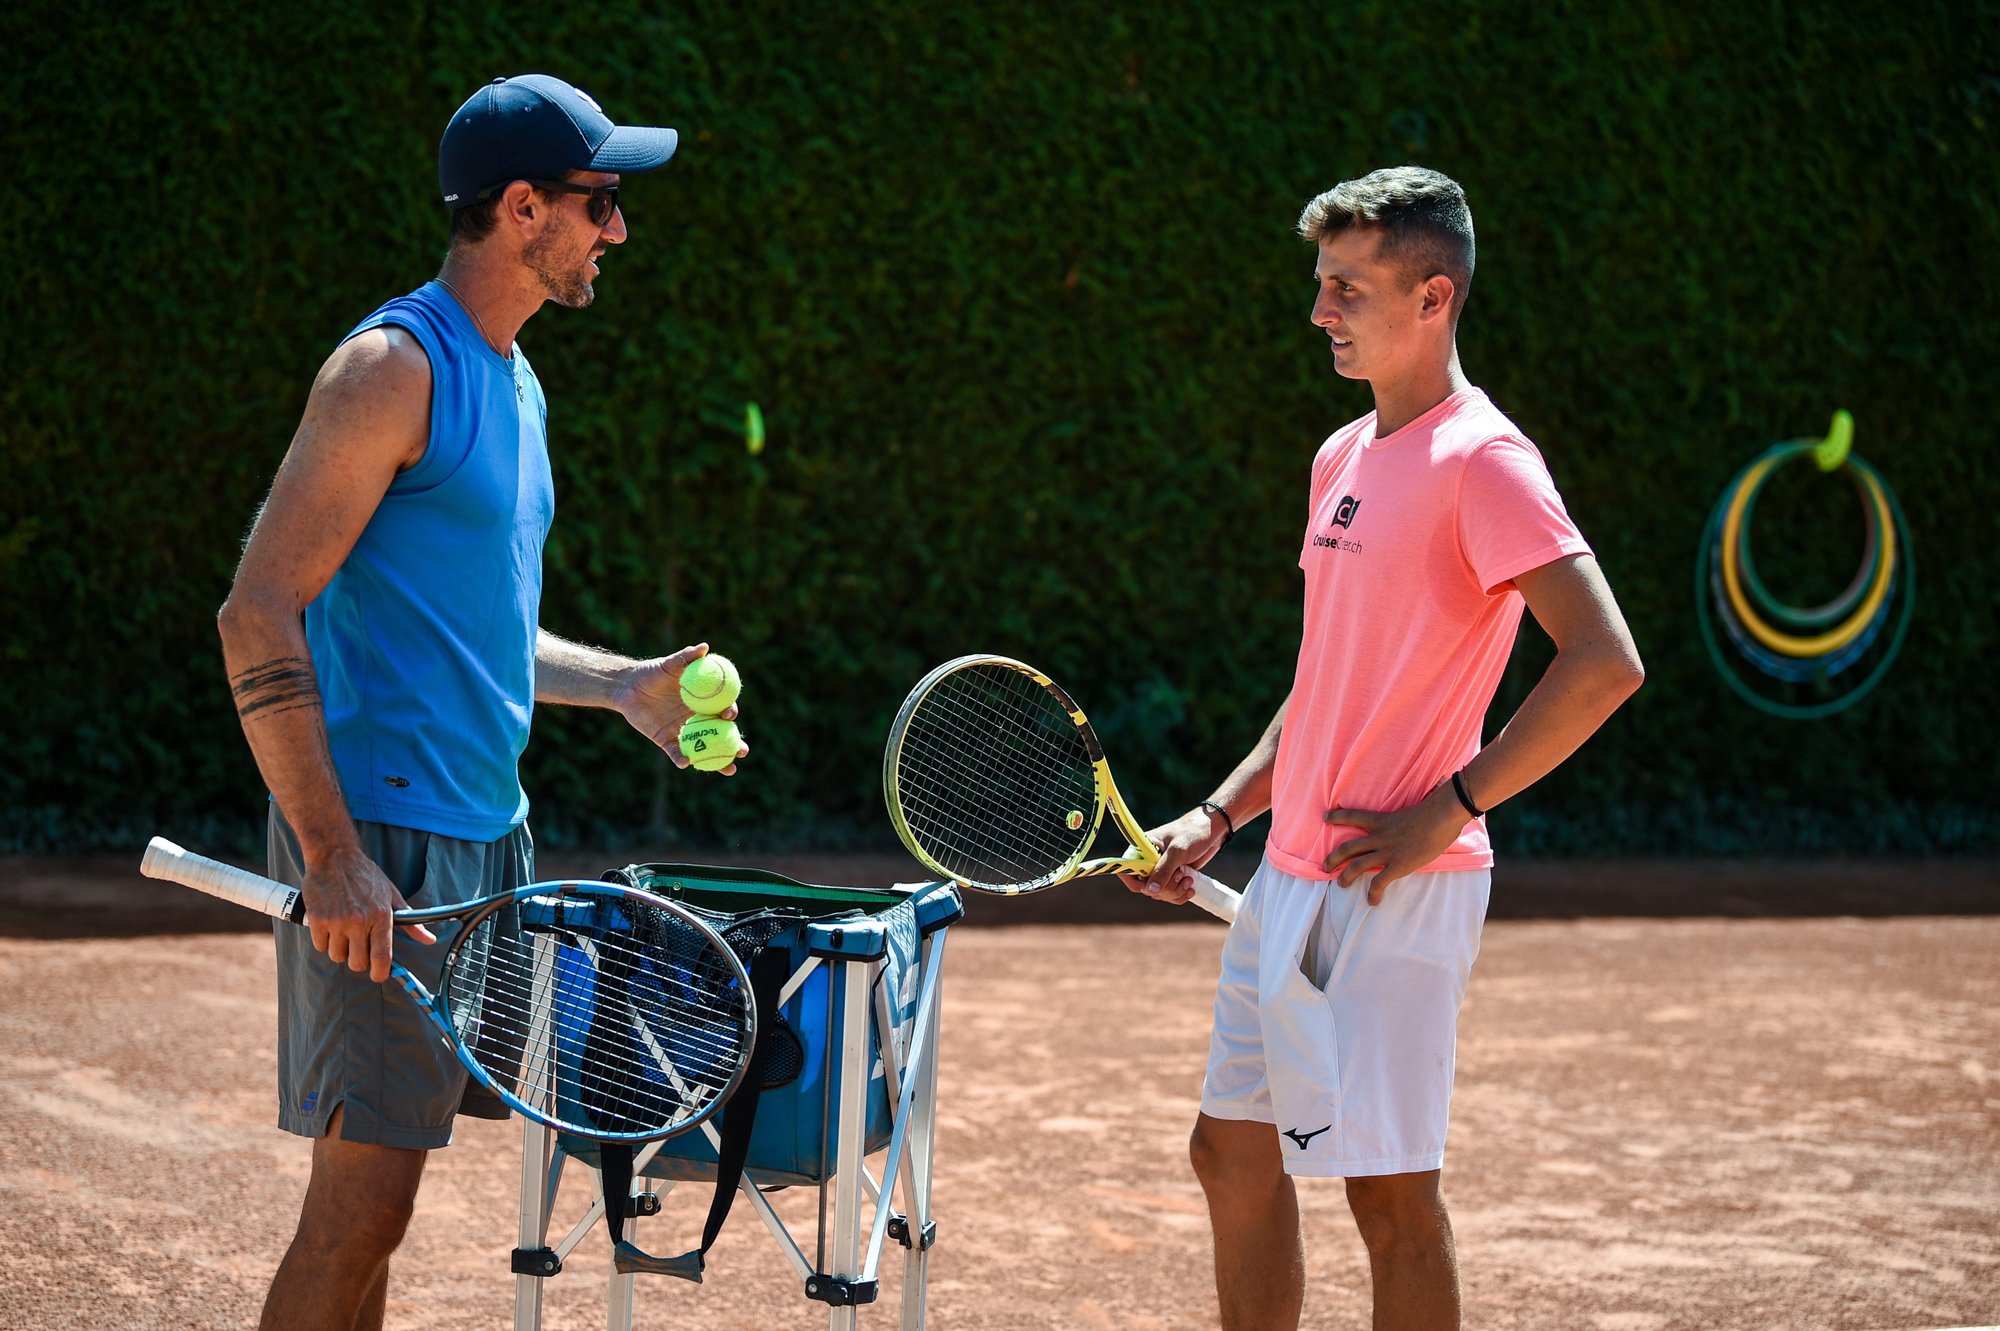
(1410, 613)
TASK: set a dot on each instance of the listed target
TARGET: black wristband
(1228, 823)
(1458, 785)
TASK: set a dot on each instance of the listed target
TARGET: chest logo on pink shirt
(1343, 517)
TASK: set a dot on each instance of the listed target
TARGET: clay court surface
(1689, 1096)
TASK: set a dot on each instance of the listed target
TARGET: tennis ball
(1075, 819)
(710, 743)
(710, 684)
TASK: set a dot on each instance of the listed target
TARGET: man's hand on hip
(1396, 844)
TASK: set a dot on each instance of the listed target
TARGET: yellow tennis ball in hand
(710, 684)
(710, 743)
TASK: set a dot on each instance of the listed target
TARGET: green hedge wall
(1015, 288)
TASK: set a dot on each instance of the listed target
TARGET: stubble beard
(565, 286)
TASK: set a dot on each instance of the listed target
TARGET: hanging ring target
(1805, 646)
(1819, 616)
(1736, 542)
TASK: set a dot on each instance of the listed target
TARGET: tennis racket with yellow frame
(995, 779)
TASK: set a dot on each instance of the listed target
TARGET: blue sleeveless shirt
(424, 641)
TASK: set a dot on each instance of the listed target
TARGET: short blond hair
(1422, 216)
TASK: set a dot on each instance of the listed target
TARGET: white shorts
(1337, 1021)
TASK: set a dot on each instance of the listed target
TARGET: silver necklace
(479, 323)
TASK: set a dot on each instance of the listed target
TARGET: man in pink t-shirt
(1433, 522)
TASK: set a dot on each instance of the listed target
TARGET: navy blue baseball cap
(535, 127)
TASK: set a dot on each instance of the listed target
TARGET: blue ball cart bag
(779, 1128)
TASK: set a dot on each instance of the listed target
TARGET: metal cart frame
(865, 1211)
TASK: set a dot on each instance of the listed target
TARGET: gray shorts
(345, 1041)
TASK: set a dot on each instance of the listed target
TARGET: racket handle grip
(1219, 901)
(167, 861)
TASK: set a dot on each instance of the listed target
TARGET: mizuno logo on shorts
(1304, 1139)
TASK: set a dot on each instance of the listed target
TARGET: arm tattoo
(283, 685)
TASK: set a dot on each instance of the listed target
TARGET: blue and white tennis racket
(595, 1008)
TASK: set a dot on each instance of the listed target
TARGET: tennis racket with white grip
(597, 1009)
(995, 779)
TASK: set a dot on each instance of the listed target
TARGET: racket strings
(965, 755)
(991, 771)
(631, 1022)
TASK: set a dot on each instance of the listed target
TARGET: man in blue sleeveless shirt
(384, 647)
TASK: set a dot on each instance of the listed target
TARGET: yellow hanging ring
(1835, 638)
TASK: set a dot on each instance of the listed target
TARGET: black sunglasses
(603, 198)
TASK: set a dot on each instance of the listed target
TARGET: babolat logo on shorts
(310, 1102)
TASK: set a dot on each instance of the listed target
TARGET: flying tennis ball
(1075, 819)
(710, 684)
(710, 743)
